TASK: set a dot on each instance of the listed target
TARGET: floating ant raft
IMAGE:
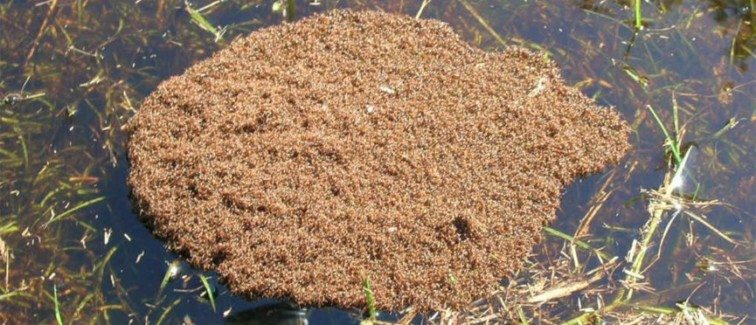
(309, 157)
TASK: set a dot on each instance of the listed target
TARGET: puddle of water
(72, 73)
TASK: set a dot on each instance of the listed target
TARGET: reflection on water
(73, 72)
(685, 180)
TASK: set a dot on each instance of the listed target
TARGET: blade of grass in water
(9, 227)
(203, 23)
(167, 311)
(422, 7)
(370, 299)
(76, 208)
(711, 227)
(99, 269)
(58, 316)
(661, 310)
(638, 15)
(673, 144)
(579, 243)
(169, 273)
(83, 303)
(208, 290)
(18, 293)
(483, 22)
(635, 75)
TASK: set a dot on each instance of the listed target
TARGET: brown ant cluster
(308, 157)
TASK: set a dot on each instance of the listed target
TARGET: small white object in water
(107, 234)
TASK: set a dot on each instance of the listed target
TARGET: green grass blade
(76, 208)
(167, 311)
(58, 316)
(202, 22)
(673, 145)
(367, 289)
(9, 227)
(208, 290)
(578, 243)
(169, 274)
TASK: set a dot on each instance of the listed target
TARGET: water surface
(73, 72)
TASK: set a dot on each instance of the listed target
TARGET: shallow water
(73, 72)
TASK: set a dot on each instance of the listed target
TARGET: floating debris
(256, 164)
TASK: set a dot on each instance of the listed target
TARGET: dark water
(73, 72)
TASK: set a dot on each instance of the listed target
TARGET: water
(73, 72)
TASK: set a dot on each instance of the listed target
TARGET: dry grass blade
(567, 289)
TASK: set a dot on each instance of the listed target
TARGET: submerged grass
(58, 316)
(72, 73)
